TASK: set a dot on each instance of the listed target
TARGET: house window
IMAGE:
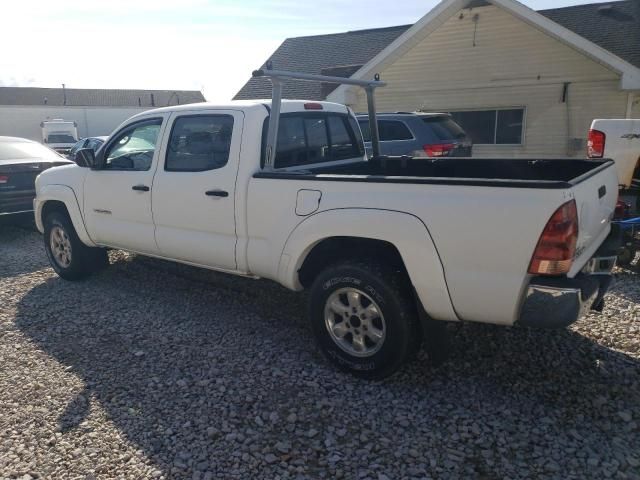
(492, 127)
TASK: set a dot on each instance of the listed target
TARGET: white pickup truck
(385, 246)
(619, 140)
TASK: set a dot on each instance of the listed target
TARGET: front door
(194, 188)
(117, 195)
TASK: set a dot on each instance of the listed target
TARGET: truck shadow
(180, 357)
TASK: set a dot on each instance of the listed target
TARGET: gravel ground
(152, 370)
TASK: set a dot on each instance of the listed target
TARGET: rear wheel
(364, 318)
(70, 258)
(626, 256)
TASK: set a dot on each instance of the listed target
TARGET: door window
(391, 130)
(133, 148)
(388, 130)
(199, 143)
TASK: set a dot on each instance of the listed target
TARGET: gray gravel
(152, 370)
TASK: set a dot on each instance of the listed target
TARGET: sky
(207, 45)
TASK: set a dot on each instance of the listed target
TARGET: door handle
(140, 188)
(216, 193)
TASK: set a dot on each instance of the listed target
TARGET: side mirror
(85, 157)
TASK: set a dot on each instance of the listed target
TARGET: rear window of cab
(306, 138)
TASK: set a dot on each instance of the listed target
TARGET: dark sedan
(21, 161)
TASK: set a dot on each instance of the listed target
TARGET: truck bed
(521, 173)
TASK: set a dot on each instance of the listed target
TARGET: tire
(372, 313)
(70, 258)
(626, 256)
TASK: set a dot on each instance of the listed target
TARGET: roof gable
(617, 31)
(630, 74)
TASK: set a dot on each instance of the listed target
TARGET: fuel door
(307, 202)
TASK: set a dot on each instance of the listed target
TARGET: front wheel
(70, 258)
(364, 318)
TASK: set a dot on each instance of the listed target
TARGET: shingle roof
(318, 52)
(615, 26)
(616, 29)
(96, 97)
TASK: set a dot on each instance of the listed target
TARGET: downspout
(630, 100)
(565, 100)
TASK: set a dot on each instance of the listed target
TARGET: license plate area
(599, 266)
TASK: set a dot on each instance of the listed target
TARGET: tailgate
(596, 195)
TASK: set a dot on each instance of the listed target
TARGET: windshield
(60, 138)
(22, 150)
(444, 128)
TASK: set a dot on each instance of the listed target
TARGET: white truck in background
(619, 140)
(386, 246)
(59, 134)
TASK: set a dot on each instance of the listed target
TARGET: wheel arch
(61, 198)
(333, 249)
(399, 237)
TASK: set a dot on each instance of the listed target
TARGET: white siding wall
(512, 64)
(92, 121)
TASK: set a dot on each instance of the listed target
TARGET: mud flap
(435, 336)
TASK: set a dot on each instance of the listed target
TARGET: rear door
(17, 184)
(21, 161)
(396, 137)
(194, 188)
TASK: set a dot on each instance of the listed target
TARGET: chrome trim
(548, 306)
(15, 213)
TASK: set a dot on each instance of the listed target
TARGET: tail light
(595, 144)
(4, 179)
(557, 244)
(439, 149)
(622, 210)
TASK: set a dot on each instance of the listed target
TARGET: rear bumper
(557, 302)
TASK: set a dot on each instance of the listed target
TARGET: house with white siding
(521, 82)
